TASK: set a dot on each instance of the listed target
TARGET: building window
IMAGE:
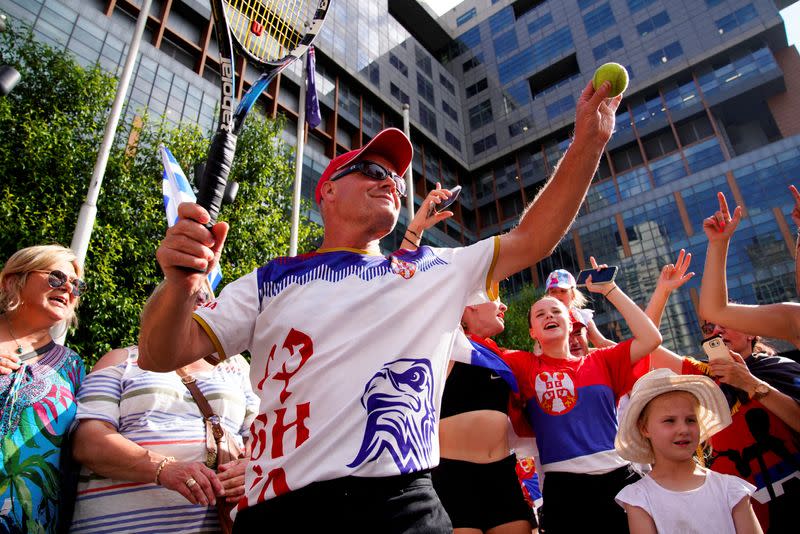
(506, 43)
(477, 87)
(668, 53)
(470, 38)
(374, 71)
(653, 23)
(501, 20)
(449, 111)
(427, 117)
(523, 6)
(712, 3)
(539, 53)
(602, 50)
(484, 144)
(447, 84)
(473, 62)
(398, 94)
(519, 93)
(423, 61)
(452, 140)
(560, 106)
(636, 5)
(466, 17)
(583, 4)
(480, 114)
(425, 89)
(598, 20)
(398, 64)
(736, 19)
(516, 128)
(540, 23)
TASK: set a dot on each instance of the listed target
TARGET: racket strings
(269, 30)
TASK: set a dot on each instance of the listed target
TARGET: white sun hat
(713, 413)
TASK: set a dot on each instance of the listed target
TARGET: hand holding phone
(438, 208)
(604, 275)
(716, 349)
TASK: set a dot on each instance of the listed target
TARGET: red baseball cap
(390, 143)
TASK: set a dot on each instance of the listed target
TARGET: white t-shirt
(698, 511)
(349, 358)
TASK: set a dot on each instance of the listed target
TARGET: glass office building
(713, 105)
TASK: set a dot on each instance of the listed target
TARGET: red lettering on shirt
(280, 428)
(271, 356)
(276, 477)
(258, 429)
(294, 339)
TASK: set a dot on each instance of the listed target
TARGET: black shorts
(577, 502)
(481, 496)
(395, 505)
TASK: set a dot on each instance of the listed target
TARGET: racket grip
(215, 177)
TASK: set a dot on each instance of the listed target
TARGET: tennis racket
(271, 34)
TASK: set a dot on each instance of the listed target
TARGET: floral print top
(37, 407)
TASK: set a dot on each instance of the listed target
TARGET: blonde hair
(23, 262)
(576, 298)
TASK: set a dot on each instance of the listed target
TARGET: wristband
(161, 465)
(609, 292)
(413, 233)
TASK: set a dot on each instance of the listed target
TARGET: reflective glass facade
(492, 88)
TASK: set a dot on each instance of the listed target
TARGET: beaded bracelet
(161, 465)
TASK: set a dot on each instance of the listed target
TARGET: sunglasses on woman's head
(374, 171)
(56, 279)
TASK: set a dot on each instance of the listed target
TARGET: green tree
(515, 335)
(52, 126)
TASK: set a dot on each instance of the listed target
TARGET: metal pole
(88, 213)
(298, 162)
(409, 177)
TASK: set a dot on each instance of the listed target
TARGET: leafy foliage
(52, 126)
(515, 335)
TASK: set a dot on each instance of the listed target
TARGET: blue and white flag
(177, 190)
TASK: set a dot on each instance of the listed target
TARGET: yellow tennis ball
(614, 73)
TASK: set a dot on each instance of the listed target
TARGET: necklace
(20, 350)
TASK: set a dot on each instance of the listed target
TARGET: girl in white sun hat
(668, 417)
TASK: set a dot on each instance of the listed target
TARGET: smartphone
(605, 275)
(716, 349)
(438, 208)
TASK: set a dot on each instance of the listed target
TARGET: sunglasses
(56, 279)
(374, 171)
(708, 328)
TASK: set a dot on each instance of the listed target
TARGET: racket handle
(215, 177)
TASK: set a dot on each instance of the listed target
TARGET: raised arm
(426, 217)
(169, 338)
(645, 334)
(545, 221)
(771, 320)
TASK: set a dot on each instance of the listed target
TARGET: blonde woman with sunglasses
(39, 288)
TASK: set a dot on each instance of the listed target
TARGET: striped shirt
(156, 411)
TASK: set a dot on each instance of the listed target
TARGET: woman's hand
(8, 364)
(674, 275)
(604, 288)
(720, 226)
(179, 476)
(734, 372)
(231, 475)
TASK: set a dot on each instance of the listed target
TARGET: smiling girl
(668, 417)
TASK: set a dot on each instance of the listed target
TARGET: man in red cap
(350, 348)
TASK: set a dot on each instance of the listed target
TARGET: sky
(791, 16)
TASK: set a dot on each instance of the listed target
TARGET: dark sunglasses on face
(374, 171)
(57, 279)
(708, 328)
